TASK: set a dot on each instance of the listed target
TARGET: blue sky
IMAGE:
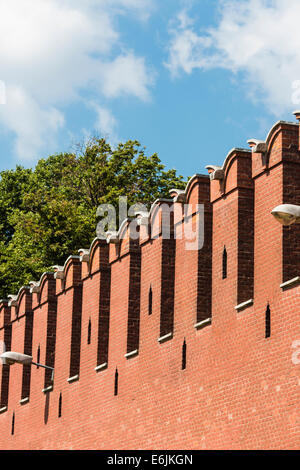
(189, 79)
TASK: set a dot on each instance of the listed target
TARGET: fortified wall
(157, 346)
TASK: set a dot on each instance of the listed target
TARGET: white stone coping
(24, 400)
(3, 409)
(244, 305)
(73, 379)
(166, 337)
(101, 366)
(291, 282)
(202, 323)
(47, 389)
(131, 354)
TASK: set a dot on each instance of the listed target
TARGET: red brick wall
(239, 390)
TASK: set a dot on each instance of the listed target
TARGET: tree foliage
(49, 212)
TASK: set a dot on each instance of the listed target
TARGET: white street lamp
(10, 357)
(287, 214)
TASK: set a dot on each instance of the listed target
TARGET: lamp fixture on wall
(9, 358)
(287, 214)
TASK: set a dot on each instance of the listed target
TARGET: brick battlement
(155, 345)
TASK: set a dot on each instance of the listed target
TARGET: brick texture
(217, 382)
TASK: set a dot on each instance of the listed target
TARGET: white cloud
(188, 52)
(127, 74)
(34, 125)
(54, 50)
(105, 123)
(259, 38)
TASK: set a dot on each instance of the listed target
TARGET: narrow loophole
(116, 382)
(183, 364)
(38, 356)
(268, 322)
(89, 332)
(150, 297)
(60, 405)
(13, 424)
(224, 268)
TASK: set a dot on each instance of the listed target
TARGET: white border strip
(24, 400)
(244, 304)
(291, 282)
(202, 323)
(101, 366)
(131, 354)
(165, 337)
(73, 379)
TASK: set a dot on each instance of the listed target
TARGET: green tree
(13, 184)
(49, 212)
